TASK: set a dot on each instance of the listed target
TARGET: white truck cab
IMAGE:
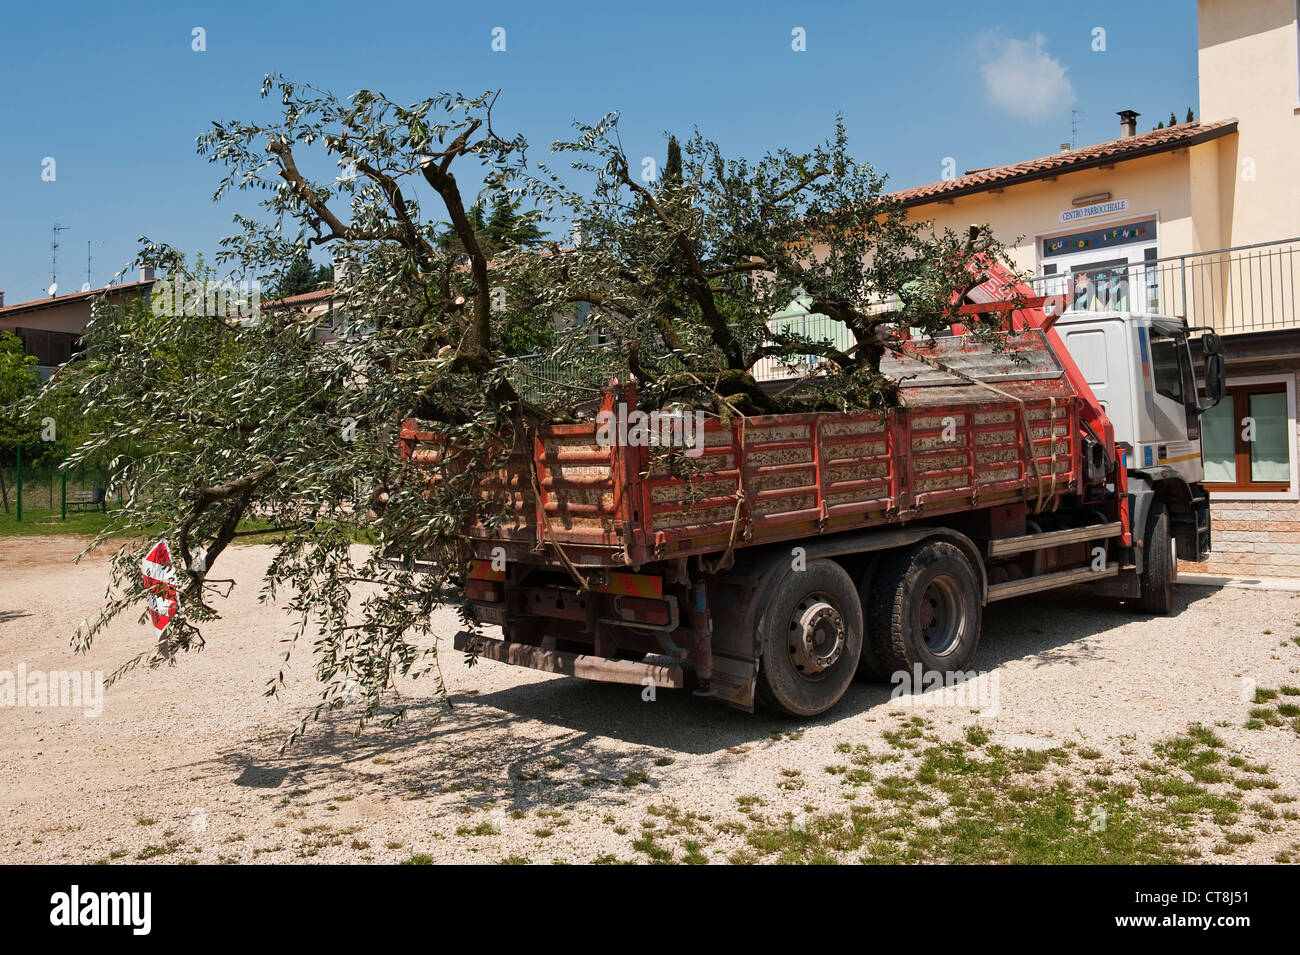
(1140, 368)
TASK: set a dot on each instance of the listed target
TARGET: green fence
(45, 491)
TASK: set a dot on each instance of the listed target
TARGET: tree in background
(301, 276)
(19, 380)
(673, 163)
(507, 227)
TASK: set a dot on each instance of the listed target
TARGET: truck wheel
(1159, 567)
(810, 636)
(925, 608)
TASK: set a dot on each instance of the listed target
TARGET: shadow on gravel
(563, 741)
(1069, 627)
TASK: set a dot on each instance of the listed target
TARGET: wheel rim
(815, 637)
(941, 618)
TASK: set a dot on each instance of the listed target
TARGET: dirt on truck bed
(1099, 736)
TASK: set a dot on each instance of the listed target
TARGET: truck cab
(1140, 369)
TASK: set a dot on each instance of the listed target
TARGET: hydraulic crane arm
(1000, 292)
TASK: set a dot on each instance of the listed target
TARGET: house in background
(1200, 219)
(50, 328)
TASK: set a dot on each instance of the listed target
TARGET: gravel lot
(181, 764)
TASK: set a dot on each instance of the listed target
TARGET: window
(1165, 368)
(1246, 440)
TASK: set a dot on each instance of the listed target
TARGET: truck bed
(953, 444)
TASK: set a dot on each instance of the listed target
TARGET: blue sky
(116, 95)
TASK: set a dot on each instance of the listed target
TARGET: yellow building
(1200, 220)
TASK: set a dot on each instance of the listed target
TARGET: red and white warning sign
(160, 581)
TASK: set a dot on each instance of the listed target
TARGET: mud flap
(734, 680)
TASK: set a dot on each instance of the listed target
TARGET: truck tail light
(488, 591)
(642, 610)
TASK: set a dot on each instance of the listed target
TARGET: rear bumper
(582, 665)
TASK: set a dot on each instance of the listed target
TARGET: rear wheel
(1159, 567)
(810, 636)
(925, 608)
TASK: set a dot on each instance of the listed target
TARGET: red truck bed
(952, 445)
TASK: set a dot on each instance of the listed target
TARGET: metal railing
(545, 378)
(1246, 288)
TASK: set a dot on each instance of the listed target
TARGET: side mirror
(1215, 381)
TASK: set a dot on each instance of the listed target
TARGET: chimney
(347, 272)
(146, 273)
(1066, 147)
(576, 232)
(1128, 123)
(2, 299)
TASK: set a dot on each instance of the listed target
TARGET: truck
(799, 551)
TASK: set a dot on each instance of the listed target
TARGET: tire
(810, 640)
(925, 609)
(870, 667)
(1159, 566)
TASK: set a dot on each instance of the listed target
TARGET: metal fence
(548, 378)
(43, 487)
(1248, 288)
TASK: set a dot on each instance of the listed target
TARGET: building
(50, 328)
(1202, 220)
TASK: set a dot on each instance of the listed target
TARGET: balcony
(1248, 288)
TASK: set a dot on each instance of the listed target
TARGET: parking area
(1105, 736)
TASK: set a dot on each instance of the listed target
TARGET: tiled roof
(1086, 157)
(305, 298)
(57, 300)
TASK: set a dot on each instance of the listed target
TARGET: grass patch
(966, 801)
(167, 848)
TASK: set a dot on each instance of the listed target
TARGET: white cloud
(1024, 79)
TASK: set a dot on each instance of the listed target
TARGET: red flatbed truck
(808, 548)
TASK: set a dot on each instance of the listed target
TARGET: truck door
(1171, 435)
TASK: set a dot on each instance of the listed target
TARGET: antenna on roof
(87, 286)
(54, 258)
(1074, 128)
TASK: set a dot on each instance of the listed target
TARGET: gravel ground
(181, 765)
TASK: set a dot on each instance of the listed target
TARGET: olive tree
(253, 420)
